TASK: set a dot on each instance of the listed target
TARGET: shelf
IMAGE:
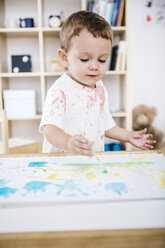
(25, 32)
(20, 74)
(52, 74)
(49, 74)
(119, 114)
(50, 31)
(36, 117)
(119, 29)
(19, 32)
(116, 73)
(42, 42)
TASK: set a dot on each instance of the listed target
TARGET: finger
(81, 141)
(144, 148)
(81, 151)
(151, 142)
(149, 146)
(80, 138)
(137, 134)
(87, 146)
(143, 131)
(149, 136)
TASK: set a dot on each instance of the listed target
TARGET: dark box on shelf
(21, 63)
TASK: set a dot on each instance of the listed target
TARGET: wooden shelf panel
(116, 73)
(19, 32)
(119, 29)
(20, 74)
(36, 117)
(52, 74)
(34, 32)
(119, 114)
(50, 31)
(48, 74)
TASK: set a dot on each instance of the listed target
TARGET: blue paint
(35, 186)
(2, 182)
(71, 186)
(37, 164)
(6, 191)
(118, 188)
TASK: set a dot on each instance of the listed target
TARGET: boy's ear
(63, 56)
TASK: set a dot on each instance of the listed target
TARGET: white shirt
(74, 108)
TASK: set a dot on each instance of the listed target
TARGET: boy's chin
(86, 81)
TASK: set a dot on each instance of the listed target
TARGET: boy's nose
(94, 65)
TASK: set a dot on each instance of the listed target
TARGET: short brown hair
(75, 23)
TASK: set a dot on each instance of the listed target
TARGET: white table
(119, 223)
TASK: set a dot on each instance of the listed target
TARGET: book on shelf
(118, 13)
(112, 3)
(120, 20)
(121, 56)
(111, 10)
(113, 58)
(90, 5)
(118, 56)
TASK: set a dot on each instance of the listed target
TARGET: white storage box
(19, 103)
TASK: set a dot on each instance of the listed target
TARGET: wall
(147, 62)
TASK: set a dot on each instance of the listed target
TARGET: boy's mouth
(92, 76)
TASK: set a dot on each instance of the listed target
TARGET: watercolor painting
(60, 179)
(154, 12)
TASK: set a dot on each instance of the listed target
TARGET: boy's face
(87, 58)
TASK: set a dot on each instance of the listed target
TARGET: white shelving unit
(42, 42)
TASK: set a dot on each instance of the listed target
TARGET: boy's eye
(102, 60)
(84, 60)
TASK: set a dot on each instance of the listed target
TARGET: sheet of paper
(61, 179)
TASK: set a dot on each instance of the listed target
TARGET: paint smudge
(37, 164)
(162, 182)
(118, 188)
(70, 186)
(2, 182)
(6, 191)
(36, 186)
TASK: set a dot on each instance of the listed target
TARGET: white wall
(147, 62)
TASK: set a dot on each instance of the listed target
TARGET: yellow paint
(52, 176)
(126, 165)
(162, 182)
(90, 176)
(117, 174)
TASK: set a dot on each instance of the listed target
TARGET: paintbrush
(95, 154)
(100, 162)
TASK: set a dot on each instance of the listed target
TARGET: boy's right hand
(78, 144)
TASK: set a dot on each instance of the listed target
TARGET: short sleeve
(108, 120)
(54, 109)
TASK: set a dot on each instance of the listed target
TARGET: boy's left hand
(142, 140)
